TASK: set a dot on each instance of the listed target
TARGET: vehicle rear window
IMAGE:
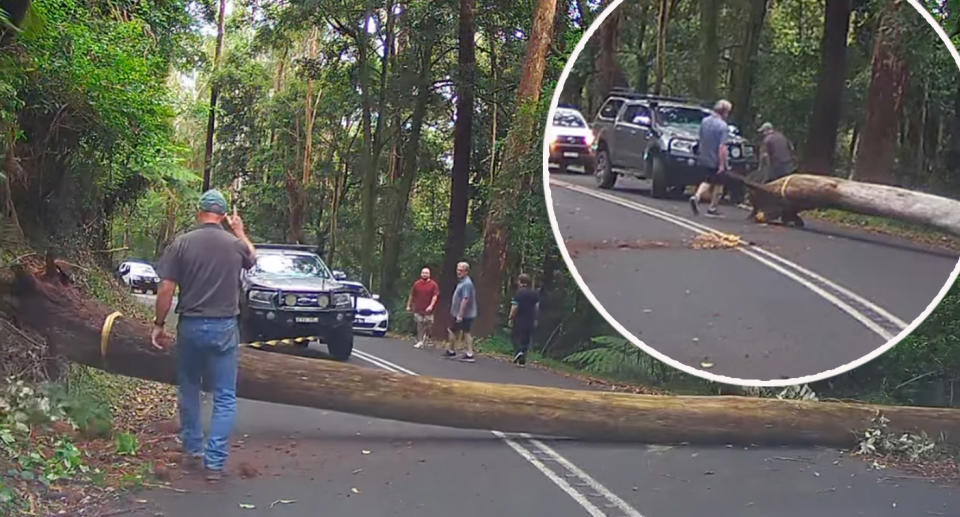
(610, 109)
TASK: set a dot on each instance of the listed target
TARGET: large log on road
(73, 325)
(790, 195)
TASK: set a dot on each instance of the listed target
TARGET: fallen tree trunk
(790, 195)
(72, 326)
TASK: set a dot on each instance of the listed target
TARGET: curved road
(316, 458)
(795, 302)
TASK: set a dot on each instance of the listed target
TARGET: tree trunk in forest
(460, 181)
(709, 48)
(8, 210)
(821, 143)
(510, 180)
(953, 151)
(297, 189)
(72, 327)
(214, 94)
(368, 168)
(610, 73)
(876, 155)
(745, 67)
(663, 25)
(798, 192)
(642, 52)
(408, 174)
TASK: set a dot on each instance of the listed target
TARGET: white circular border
(650, 350)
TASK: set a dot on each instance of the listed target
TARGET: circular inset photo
(757, 195)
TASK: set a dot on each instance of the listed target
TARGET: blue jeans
(207, 351)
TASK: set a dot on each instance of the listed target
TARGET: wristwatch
(158, 323)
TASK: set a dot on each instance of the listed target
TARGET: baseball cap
(765, 127)
(213, 201)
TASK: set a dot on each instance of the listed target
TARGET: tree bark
(876, 155)
(72, 327)
(460, 180)
(953, 151)
(510, 181)
(408, 174)
(214, 94)
(746, 66)
(663, 25)
(709, 48)
(643, 53)
(610, 73)
(368, 168)
(821, 140)
(798, 192)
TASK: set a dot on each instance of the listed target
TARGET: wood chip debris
(709, 241)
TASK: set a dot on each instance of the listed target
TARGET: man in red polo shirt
(422, 301)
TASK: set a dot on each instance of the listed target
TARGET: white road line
(754, 253)
(593, 483)
(576, 495)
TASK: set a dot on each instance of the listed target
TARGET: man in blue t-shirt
(712, 156)
(463, 310)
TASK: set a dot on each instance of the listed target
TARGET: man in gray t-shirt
(776, 154)
(712, 156)
(205, 262)
(463, 310)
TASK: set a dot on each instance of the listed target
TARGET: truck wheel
(658, 188)
(604, 171)
(340, 344)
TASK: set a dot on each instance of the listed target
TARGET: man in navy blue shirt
(523, 315)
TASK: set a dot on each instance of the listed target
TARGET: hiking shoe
(694, 205)
(192, 462)
(713, 211)
(468, 358)
(213, 476)
(518, 357)
(450, 353)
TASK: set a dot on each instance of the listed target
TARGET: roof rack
(291, 247)
(630, 94)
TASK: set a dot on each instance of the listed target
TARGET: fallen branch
(72, 326)
(786, 197)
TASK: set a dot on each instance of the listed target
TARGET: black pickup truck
(655, 137)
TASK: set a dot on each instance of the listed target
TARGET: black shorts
(463, 326)
(713, 177)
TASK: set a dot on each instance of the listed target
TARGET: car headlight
(588, 139)
(682, 146)
(735, 151)
(323, 300)
(341, 300)
(263, 297)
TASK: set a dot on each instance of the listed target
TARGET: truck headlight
(678, 145)
(323, 300)
(735, 151)
(341, 300)
(748, 151)
(261, 297)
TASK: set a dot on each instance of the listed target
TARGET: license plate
(308, 319)
(571, 155)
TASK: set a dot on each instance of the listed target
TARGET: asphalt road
(796, 302)
(316, 459)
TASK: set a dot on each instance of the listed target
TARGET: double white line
(871, 315)
(576, 483)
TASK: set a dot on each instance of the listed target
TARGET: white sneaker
(418, 345)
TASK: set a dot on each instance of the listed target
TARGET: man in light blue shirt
(463, 310)
(712, 156)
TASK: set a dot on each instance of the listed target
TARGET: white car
(138, 276)
(371, 316)
(571, 140)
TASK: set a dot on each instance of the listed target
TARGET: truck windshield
(567, 120)
(676, 116)
(291, 266)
